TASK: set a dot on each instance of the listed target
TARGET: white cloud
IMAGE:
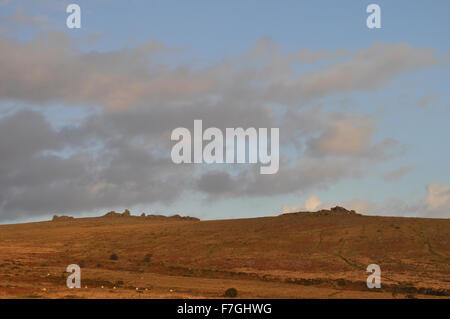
(312, 204)
(438, 198)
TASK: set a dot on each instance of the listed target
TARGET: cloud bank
(118, 154)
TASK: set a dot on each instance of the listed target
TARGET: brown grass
(291, 256)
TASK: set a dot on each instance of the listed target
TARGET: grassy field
(290, 256)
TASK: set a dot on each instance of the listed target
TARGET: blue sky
(411, 107)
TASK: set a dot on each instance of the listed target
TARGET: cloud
(435, 204)
(312, 204)
(22, 17)
(122, 159)
(437, 199)
(307, 56)
(215, 182)
(303, 176)
(398, 173)
(343, 138)
(368, 69)
(349, 137)
(23, 135)
(119, 156)
(50, 68)
(42, 172)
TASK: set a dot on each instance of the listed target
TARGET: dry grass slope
(299, 255)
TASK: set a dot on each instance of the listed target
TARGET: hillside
(298, 255)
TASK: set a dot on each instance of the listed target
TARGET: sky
(86, 114)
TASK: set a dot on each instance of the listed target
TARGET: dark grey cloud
(44, 173)
(23, 135)
(305, 175)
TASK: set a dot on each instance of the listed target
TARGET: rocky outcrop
(178, 217)
(126, 213)
(57, 218)
(112, 213)
(334, 211)
(173, 217)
